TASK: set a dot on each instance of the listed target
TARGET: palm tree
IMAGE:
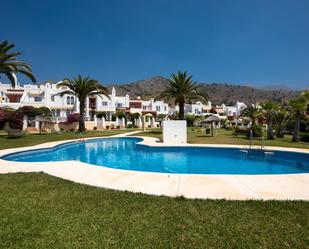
(82, 88)
(268, 112)
(281, 118)
(182, 89)
(253, 113)
(298, 107)
(9, 66)
(305, 94)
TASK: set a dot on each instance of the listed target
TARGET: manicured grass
(34, 139)
(223, 136)
(41, 211)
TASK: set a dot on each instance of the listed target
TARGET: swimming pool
(125, 153)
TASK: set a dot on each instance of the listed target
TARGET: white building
(47, 95)
(155, 106)
(235, 110)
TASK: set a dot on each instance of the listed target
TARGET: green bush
(101, 114)
(257, 131)
(190, 120)
(304, 137)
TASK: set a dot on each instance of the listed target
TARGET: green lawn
(225, 137)
(34, 139)
(41, 211)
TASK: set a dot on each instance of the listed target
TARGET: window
(158, 108)
(164, 108)
(57, 113)
(68, 112)
(38, 99)
(104, 103)
(70, 100)
(52, 98)
(119, 104)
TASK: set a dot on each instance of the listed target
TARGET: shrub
(107, 127)
(257, 131)
(45, 111)
(95, 128)
(30, 110)
(190, 120)
(304, 137)
(72, 118)
(130, 126)
(120, 114)
(15, 120)
(118, 127)
(101, 114)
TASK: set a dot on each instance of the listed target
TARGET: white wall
(175, 131)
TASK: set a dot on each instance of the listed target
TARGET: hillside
(218, 93)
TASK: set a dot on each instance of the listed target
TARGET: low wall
(68, 127)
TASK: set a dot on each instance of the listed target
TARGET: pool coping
(232, 187)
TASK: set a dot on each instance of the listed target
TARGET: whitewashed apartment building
(47, 95)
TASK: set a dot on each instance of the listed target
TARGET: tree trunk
(270, 134)
(81, 126)
(295, 137)
(181, 115)
(279, 132)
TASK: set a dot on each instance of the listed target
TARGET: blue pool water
(124, 153)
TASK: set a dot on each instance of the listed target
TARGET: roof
(211, 118)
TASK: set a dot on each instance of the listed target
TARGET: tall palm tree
(298, 107)
(182, 89)
(82, 87)
(281, 118)
(253, 113)
(305, 94)
(269, 109)
(9, 65)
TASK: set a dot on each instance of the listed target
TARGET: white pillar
(87, 107)
(25, 122)
(103, 123)
(117, 121)
(37, 124)
(95, 121)
(123, 122)
(138, 122)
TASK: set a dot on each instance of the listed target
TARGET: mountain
(218, 92)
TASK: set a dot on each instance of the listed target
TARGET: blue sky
(235, 41)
